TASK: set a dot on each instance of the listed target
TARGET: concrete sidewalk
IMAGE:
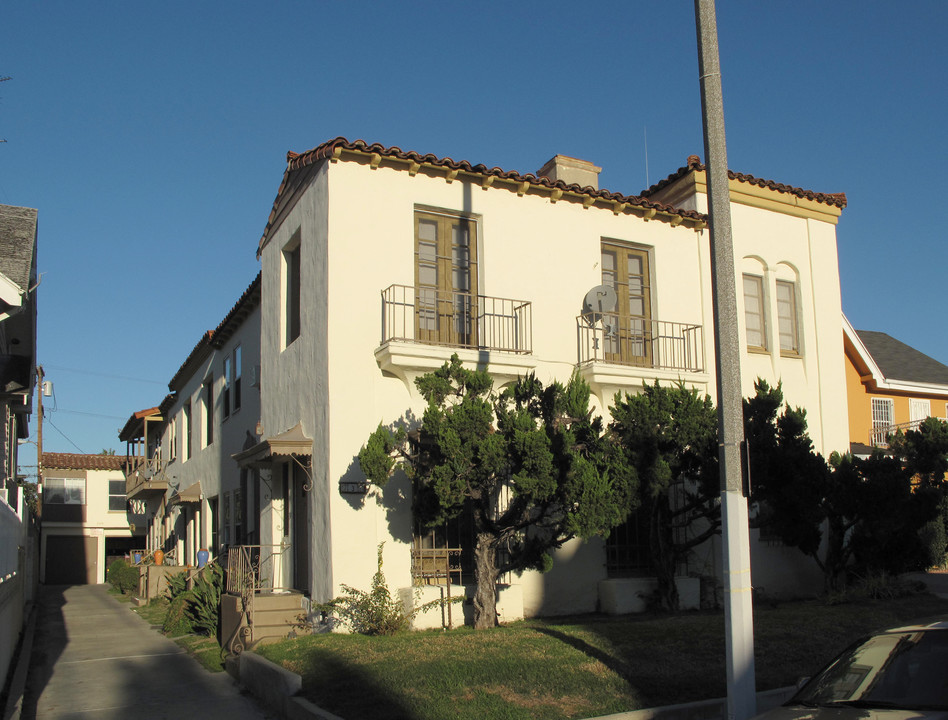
(94, 658)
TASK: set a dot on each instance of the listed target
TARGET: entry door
(445, 280)
(297, 497)
(629, 332)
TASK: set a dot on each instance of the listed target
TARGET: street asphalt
(95, 658)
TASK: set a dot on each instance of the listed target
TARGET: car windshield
(895, 670)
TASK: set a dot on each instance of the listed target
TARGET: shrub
(205, 599)
(375, 612)
(123, 577)
(177, 621)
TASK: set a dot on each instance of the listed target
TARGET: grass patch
(563, 668)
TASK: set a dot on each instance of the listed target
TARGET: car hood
(799, 712)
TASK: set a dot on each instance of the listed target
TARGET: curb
(702, 709)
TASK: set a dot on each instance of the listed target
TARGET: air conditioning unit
(255, 376)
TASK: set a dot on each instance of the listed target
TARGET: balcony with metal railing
(879, 435)
(455, 319)
(145, 474)
(640, 342)
(422, 328)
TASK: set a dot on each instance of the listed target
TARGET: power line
(89, 414)
(104, 375)
(47, 420)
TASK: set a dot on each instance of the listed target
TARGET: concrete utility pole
(738, 605)
(39, 441)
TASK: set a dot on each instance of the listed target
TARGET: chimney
(570, 171)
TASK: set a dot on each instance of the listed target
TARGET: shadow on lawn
(348, 691)
(610, 661)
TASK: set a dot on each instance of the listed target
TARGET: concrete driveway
(95, 658)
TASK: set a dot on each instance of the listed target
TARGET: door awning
(191, 494)
(292, 443)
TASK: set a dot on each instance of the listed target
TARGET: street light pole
(738, 605)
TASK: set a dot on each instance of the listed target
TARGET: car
(897, 673)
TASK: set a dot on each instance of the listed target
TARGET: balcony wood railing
(435, 317)
(658, 344)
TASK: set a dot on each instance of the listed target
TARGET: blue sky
(152, 139)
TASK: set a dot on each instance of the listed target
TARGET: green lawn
(572, 667)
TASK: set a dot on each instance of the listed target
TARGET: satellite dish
(601, 299)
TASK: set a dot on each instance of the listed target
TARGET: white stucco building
(378, 264)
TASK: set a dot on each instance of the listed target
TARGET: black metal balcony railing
(658, 344)
(436, 317)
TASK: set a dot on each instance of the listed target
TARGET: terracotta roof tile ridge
(333, 148)
(82, 461)
(694, 163)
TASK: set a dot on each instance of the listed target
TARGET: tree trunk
(485, 574)
(663, 553)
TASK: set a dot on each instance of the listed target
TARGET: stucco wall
(356, 226)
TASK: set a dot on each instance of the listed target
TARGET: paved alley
(93, 657)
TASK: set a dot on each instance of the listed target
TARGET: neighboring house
(18, 281)
(19, 544)
(87, 521)
(181, 472)
(379, 264)
(890, 387)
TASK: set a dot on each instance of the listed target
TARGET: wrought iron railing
(659, 344)
(436, 317)
(255, 568)
(435, 566)
(879, 436)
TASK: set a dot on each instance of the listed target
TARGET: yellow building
(890, 386)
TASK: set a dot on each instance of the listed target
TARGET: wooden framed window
(754, 319)
(445, 279)
(628, 334)
(187, 431)
(208, 392)
(225, 388)
(787, 321)
(117, 501)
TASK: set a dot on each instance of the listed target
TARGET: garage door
(71, 559)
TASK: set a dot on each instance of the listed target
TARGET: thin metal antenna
(645, 135)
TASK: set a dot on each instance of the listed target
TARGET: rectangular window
(238, 516)
(235, 380)
(787, 317)
(883, 418)
(208, 411)
(292, 281)
(446, 279)
(172, 439)
(628, 330)
(225, 520)
(225, 389)
(117, 502)
(213, 519)
(65, 491)
(919, 410)
(186, 430)
(754, 312)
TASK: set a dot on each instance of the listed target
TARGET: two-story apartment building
(86, 517)
(378, 264)
(181, 468)
(891, 386)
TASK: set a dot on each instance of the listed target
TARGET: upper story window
(172, 439)
(626, 270)
(187, 431)
(883, 418)
(235, 379)
(787, 317)
(292, 282)
(66, 491)
(208, 397)
(225, 388)
(446, 279)
(754, 320)
(117, 501)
